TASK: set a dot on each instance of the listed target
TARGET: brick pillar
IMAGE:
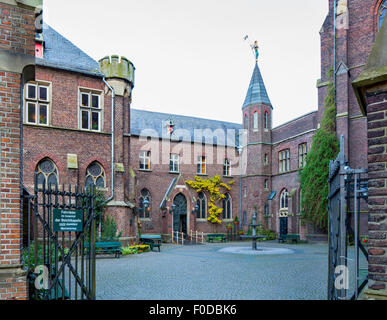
(17, 51)
(371, 92)
(377, 165)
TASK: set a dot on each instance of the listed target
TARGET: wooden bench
(151, 240)
(106, 247)
(216, 236)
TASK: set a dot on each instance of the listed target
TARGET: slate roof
(60, 53)
(257, 91)
(154, 124)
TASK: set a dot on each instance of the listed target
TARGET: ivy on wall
(314, 176)
(213, 186)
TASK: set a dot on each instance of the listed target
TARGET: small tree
(314, 176)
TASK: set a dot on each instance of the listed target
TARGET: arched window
(246, 122)
(382, 13)
(284, 200)
(47, 173)
(202, 204)
(266, 120)
(95, 175)
(255, 127)
(227, 207)
(146, 213)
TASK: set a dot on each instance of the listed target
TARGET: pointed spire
(257, 91)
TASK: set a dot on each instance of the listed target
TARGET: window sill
(174, 172)
(201, 220)
(228, 220)
(145, 219)
(229, 177)
(145, 170)
(202, 174)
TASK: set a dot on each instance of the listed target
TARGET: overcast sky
(190, 56)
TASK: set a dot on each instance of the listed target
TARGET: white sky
(190, 56)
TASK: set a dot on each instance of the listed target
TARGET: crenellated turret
(115, 67)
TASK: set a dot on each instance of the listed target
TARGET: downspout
(112, 150)
(21, 159)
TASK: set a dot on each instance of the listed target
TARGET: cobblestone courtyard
(202, 272)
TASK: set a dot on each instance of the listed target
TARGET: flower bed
(135, 249)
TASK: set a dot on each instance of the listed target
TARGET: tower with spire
(257, 121)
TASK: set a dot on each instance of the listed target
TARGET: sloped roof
(62, 54)
(154, 124)
(257, 91)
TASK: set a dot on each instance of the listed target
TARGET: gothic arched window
(47, 173)
(266, 120)
(227, 207)
(382, 13)
(95, 175)
(246, 122)
(255, 126)
(145, 194)
(284, 200)
(202, 204)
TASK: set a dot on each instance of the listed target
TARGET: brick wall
(17, 33)
(377, 159)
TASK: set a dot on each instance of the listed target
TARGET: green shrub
(109, 230)
(40, 254)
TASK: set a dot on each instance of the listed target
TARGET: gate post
(343, 215)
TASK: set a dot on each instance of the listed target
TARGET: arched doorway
(283, 213)
(180, 213)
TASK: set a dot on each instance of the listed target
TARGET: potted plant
(241, 232)
(236, 220)
(229, 226)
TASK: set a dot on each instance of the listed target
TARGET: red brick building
(69, 135)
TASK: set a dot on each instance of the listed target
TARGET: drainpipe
(112, 151)
(21, 157)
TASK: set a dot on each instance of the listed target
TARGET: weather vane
(254, 47)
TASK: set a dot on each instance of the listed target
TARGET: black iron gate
(61, 264)
(347, 187)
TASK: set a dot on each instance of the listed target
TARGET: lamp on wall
(173, 209)
(195, 210)
(145, 206)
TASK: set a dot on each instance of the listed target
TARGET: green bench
(106, 247)
(289, 238)
(216, 236)
(151, 240)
